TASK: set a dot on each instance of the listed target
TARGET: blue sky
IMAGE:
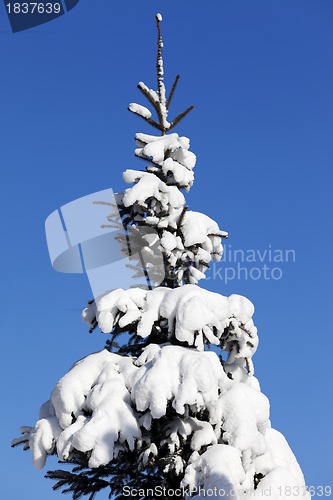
(260, 74)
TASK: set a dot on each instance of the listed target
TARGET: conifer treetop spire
(160, 73)
(158, 98)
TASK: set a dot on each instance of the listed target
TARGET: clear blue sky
(261, 76)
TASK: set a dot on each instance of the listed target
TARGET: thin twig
(148, 120)
(155, 104)
(180, 117)
(174, 86)
(182, 215)
(148, 95)
(242, 327)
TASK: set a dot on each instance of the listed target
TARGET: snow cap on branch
(190, 315)
(97, 407)
(108, 403)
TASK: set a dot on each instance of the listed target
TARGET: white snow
(279, 454)
(169, 241)
(155, 147)
(281, 485)
(179, 428)
(139, 110)
(244, 414)
(42, 439)
(182, 376)
(171, 153)
(218, 471)
(176, 172)
(241, 308)
(153, 94)
(159, 17)
(156, 201)
(198, 228)
(89, 409)
(194, 315)
(169, 199)
(107, 401)
(93, 407)
(107, 308)
(221, 472)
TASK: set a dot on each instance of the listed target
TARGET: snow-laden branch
(107, 403)
(189, 240)
(190, 314)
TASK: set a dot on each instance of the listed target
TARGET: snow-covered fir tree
(161, 412)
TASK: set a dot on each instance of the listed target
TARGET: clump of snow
(89, 410)
(196, 227)
(171, 153)
(199, 229)
(159, 17)
(244, 414)
(191, 239)
(218, 469)
(153, 197)
(280, 483)
(278, 455)
(183, 376)
(121, 307)
(201, 432)
(107, 402)
(221, 470)
(93, 408)
(42, 439)
(139, 110)
(152, 93)
(204, 247)
(194, 316)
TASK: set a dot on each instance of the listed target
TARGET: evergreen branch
(148, 159)
(156, 105)
(242, 327)
(94, 325)
(174, 86)
(221, 234)
(21, 440)
(180, 117)
(205, 264)
(148, 120)
(182, 215)
(146, 93)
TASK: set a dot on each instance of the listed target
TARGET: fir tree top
(173, 243)
(158, 98)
